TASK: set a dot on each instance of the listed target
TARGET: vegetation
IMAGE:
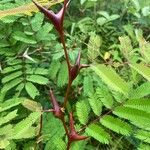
(79, 82)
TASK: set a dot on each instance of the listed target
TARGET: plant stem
(68, 145)
(65, 126)
(65, 51)
(67, 93)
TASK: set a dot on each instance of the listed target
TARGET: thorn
(25, 55)
(56, 18)
(73, 135)
(57, 110)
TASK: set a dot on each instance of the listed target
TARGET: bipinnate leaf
(111, 78)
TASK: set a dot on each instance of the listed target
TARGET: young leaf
(111, 78)
(32, 105)
(31, 90)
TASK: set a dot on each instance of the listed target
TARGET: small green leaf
(37, 79)
(32, 105)
(11, 84)
(11, 76)
(8, 117)
(20, 36)
(98, 133)
(83, 110)
(111, 78)
(31, 89)
(142, 69)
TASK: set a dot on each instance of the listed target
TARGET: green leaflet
(62, 75)
(32, 105)
(88, 85)
(37, 79)
(11, 76)
(40, 71)
(20, 36)
(140, 104)
(54, 68)
(24, 128)
(95, 104)
(94, 44)
(137, 117)
(105, 96)
(4, 143)
(141, 91)
(116, 125)
(80, 145)
(142, 69)
(143, 146)
(11, 69)
(37, 22)
(83, 109)
(6, 130)
(11, 84)
(126, 47)
(10, 103)
(8, 117)
(31, 90)
(55, 144)
(98, 133)
(143, 135)
(111, 78)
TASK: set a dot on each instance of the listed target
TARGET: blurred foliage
(114, 37)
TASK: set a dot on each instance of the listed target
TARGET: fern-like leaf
(140, 104)
(83, 109)
(137, 117)
(98, 133)
(95, 104)
(143, 135)
(141, 91)
(142, 69)
(111, 78)
(10, 103)
(24, 128)
(116, 125)
(105, 96)
(8, 117)
(62, 75)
